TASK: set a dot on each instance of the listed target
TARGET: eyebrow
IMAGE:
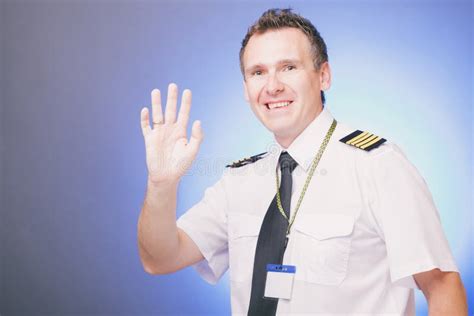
(280, 62)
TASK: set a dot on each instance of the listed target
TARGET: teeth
(277, 105)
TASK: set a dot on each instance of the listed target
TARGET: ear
(246, 93)
(325, 76)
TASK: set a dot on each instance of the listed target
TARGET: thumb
(196, 136)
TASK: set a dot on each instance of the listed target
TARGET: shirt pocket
(322, 246)
(243, 235)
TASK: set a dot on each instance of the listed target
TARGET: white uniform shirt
(367, 223)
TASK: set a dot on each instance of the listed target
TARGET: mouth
(277, 105)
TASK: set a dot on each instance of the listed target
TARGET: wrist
(162, 183)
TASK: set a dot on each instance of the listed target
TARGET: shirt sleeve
(206, 224)
(408, 220)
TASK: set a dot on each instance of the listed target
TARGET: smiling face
(281, 83)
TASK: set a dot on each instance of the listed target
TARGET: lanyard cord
(308, 178)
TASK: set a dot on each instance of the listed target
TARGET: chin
(280, 130)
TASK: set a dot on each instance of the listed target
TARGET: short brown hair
(274, 19)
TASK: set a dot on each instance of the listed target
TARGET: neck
(285, 142)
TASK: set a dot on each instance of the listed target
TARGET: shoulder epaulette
(245, 161)
(363, 140)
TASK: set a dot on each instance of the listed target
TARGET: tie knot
(287, 163)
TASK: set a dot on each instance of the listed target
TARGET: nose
(274, 85)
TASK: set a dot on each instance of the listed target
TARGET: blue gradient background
(74, 76)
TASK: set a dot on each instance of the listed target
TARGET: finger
(185, 107)
(196, 137)
(170, 112)
(145, 121)
(156, 106)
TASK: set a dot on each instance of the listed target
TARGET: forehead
(275, 45)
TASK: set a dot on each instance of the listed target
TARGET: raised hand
(169, 154)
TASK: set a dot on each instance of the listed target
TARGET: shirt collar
(304, 148)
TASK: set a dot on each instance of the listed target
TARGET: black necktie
(271, 242)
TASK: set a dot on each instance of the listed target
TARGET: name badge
(279, 282)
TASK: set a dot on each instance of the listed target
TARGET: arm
(444, 292)
(162, 246)
(171, 249)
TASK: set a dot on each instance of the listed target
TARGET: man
(352, 228)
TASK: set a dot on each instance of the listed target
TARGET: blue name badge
(279, 282)
(281, 268)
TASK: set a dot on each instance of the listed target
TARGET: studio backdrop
(75, 74)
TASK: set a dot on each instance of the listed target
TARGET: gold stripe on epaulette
(355, 139)
(371, 143)
(366, 140)
(363, 140)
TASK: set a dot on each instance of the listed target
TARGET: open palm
(169, 154)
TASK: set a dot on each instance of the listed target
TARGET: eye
(289, 67)
(257, 73)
